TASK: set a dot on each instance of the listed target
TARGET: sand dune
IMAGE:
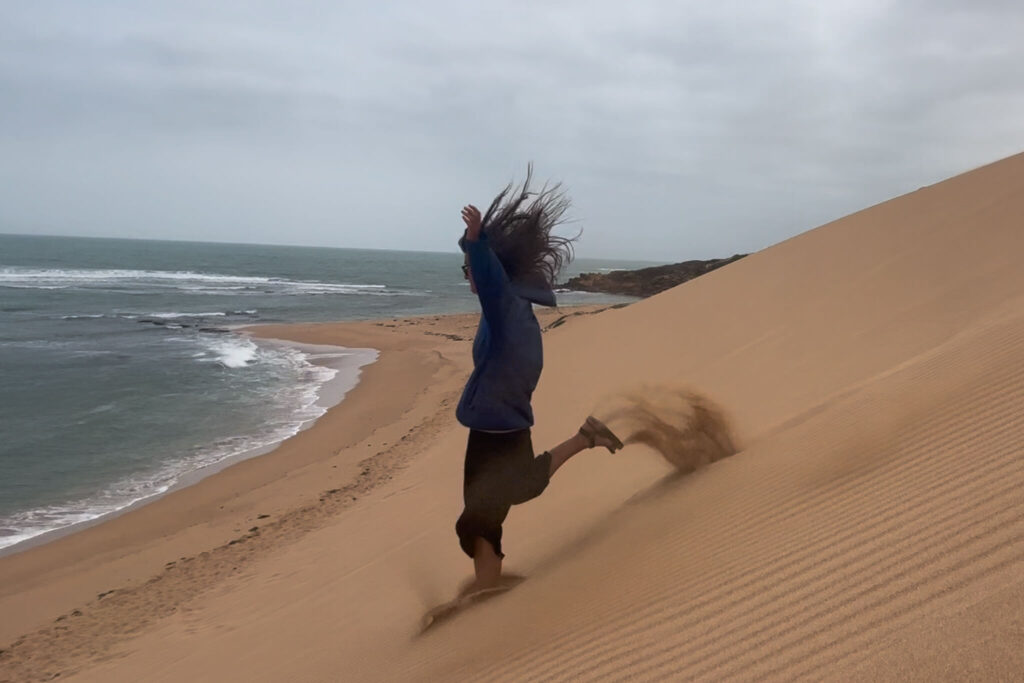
(871, 526)
(873, 368)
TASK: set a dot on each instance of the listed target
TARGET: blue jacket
(507, 352)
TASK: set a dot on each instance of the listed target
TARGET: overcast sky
(681, 129)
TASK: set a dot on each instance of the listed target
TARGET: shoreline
(403, 397)
(329, 393)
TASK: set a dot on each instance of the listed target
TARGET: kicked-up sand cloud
(688, 429)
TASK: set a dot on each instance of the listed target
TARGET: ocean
(120, 375)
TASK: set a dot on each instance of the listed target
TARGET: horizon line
(297, 246)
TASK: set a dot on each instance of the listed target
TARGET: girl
(511, 262)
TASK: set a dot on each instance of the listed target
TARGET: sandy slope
(875, 370)
(871, 528)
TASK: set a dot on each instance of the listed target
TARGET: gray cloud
(682, 130)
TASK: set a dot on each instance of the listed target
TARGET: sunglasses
(465, 272)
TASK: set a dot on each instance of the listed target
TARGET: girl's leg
(488, 495)
(487, 565)
(479, 525)
(592, 434)
(565, 450)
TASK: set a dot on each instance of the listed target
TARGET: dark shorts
(500, 472)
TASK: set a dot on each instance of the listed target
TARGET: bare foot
(476, 585)
(502, 583)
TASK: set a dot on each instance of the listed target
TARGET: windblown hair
(519, 225)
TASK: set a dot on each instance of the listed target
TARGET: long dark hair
(519, 226)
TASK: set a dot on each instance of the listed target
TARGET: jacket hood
(535, 294)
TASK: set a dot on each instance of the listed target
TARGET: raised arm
(489, 277)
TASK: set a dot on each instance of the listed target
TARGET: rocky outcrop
(646, 281)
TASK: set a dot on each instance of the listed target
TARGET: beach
(871, 526)
(256, 506)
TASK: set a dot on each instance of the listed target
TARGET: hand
(471, 217)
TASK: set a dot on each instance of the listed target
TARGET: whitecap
(181, 280)
(175, 314)
(230, 351)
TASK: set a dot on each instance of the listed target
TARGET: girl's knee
(472, 525)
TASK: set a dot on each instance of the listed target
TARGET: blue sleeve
(492, 284)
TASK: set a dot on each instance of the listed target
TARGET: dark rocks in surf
(179, 324)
